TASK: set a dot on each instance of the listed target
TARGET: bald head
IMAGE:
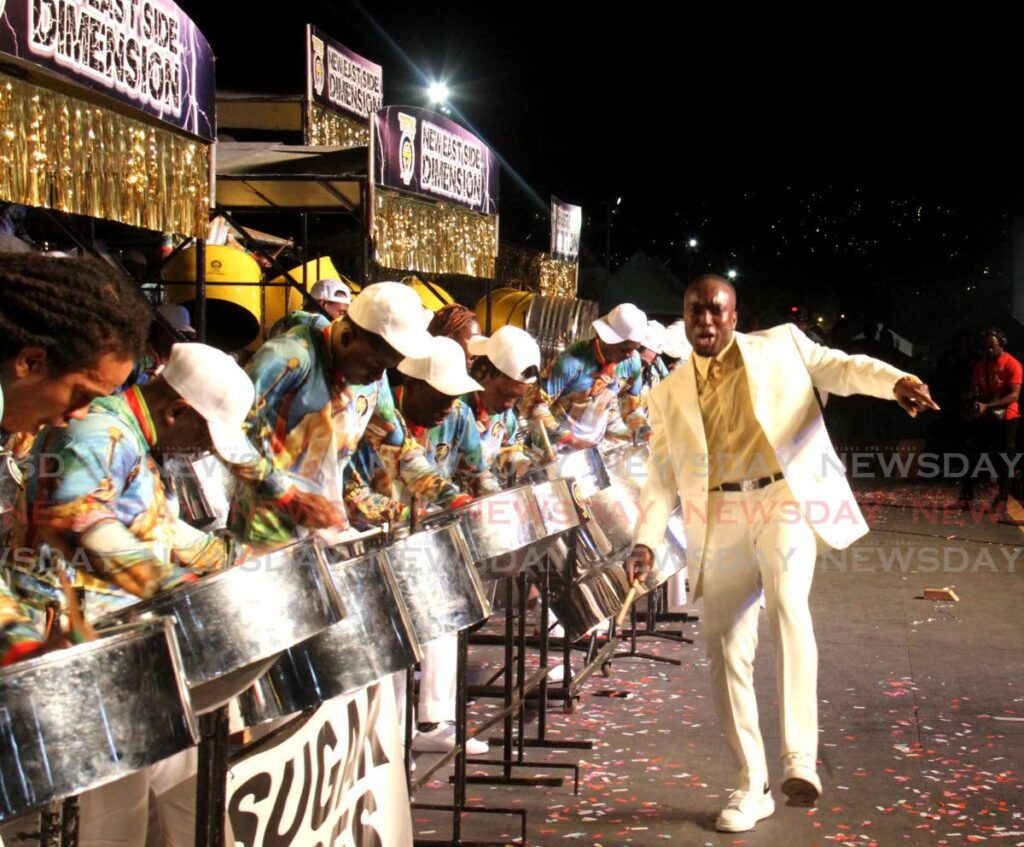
(709, 312)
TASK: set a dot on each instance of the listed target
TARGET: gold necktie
(712, 378)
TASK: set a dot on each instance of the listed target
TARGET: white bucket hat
(655, 338)
(623, 323)
(213, 384)
(331, 290)
(511, 350)
(394, 312)
(675, 345)
(444, 369)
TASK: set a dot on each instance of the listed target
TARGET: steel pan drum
(587, 467)
(437, 581)
(229, 626)
(374, 639)
(78, 718)
(503, 530)
(593, 598)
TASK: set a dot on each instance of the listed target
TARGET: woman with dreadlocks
(457, 322)
(70, 331)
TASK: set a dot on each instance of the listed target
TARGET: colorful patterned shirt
(95, 496)
(499, 432)
(314, 320)
(307, 429)
(581, 395)
(452, 447)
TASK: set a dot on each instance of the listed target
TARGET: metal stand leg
(410, 717)
(211, 783)
(515, 702)
(459, 807)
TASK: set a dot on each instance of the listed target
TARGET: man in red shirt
(996, 382)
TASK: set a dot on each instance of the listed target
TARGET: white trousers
(117, 815)
(438, 675)
(756, 542)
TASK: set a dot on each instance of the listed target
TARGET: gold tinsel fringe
(331, 129)
(558, 278)
(63, 153)
(532, 270)
(432, 238)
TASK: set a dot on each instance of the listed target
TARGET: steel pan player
(444, 428)
(592, 389)
(50, 374)
(106, 510)
(319, 393)
(507, 364)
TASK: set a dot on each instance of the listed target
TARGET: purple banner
(339, 79)
(145, 53)
(566, 226)
(421, 152)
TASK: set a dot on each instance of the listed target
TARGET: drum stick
(630, 599)
(544, 437)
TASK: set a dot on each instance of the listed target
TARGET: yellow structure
(508, 307)
(432, 300)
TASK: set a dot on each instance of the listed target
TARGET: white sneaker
(744, 810)
(441, 739)
(556, 673)
(800, 781)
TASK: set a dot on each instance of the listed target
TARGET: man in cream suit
(739, 439)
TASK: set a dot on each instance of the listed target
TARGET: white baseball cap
(444, 369)
(177, 316)
(510, 349)
(332, 290)
(655, 338)
(623, 323)
(394, 312)
(675, 345)
(213, 384)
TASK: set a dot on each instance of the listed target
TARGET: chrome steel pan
(374, 639)
(78, 718)
(438, 582)
(591, 600)
(230, 623)
(585, 466)
(504, 530)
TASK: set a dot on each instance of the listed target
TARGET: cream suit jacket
(783, 366)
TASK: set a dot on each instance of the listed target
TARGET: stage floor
(921, 703)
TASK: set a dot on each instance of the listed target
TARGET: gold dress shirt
(737, 446)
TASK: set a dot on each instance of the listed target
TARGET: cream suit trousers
(758, 541)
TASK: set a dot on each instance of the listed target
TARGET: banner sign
(566, 226)
(146, 54)
(339, 79)
(420, 152)
(338, 780)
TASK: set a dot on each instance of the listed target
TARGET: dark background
(851, 160)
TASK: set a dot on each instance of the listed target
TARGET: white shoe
(556, 673)
(800, 782)
(441, 739)
(745, 809)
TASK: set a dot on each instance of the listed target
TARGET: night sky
(857, 162)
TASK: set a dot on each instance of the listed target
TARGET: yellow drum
(233, 309)
(508, 308)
